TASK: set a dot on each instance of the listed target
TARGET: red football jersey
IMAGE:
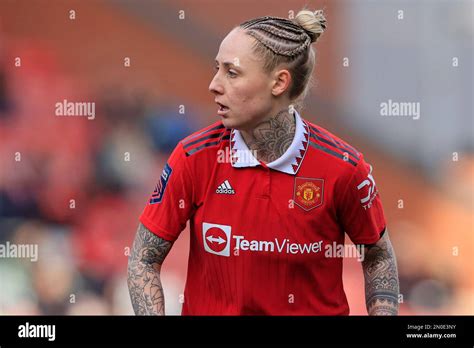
(259, 232)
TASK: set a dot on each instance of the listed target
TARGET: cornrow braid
(280, 35)
(284, 42)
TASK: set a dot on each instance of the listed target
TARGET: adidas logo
(225, 188)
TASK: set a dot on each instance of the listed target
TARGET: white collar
(288, 163)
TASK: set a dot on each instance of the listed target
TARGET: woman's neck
(271, 138)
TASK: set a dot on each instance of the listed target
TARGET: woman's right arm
(144, 266)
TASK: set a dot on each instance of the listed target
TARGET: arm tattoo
(272, 138)
(144, 265)
(381, 278)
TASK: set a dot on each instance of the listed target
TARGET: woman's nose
(215, 87)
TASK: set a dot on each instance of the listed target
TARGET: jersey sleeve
(360, 207)
(171, 203)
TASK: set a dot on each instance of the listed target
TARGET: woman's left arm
(381, 278)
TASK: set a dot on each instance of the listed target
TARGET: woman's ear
(281, 82)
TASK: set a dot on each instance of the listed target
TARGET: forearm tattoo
(144, 264)
(272, 138)
(381, 279)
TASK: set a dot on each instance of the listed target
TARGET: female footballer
(267, 194)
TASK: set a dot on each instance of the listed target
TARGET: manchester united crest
(308, 193)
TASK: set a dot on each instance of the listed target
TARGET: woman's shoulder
(332, 145)
(205, 138)
(323, 132)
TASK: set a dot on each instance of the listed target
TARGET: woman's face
(241, 85)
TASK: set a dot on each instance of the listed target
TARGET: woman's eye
(232, 73)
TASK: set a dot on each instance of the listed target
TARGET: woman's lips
(222, 110)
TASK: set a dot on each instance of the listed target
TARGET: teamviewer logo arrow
(216, 238)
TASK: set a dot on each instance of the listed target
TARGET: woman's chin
(227, 122)
(231, 123)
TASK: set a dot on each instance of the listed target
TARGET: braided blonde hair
(282, 41)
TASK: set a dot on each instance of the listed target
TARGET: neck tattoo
(270, 139)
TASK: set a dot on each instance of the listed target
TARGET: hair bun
(314, 23)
